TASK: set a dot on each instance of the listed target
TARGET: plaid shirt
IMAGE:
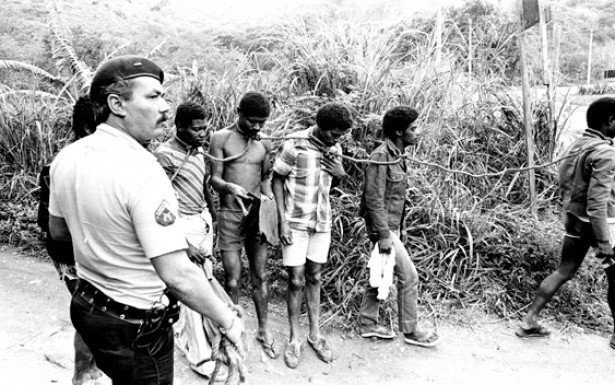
(306, 186)
(188, 183)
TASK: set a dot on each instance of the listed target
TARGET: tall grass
(474, 239)
(34, 127)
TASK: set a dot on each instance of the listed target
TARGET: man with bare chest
(241, 177)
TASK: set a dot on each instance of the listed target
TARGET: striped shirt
(188, 182)
(306, 186)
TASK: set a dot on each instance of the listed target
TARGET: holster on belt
(159, 314)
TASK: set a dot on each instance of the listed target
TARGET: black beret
(123, 68)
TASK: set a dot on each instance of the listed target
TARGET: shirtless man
(242, 181)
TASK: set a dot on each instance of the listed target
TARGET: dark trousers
(122, 350)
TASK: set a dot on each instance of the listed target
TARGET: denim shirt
(384, 192)
(587, 181)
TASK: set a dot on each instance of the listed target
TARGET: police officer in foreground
(114, 201)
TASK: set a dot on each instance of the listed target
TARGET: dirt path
(36, 347)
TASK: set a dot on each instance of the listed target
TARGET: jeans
(120, 350)
(407, 292)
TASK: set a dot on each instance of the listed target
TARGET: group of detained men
(140, 231)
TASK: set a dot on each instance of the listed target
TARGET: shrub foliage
(475, 239)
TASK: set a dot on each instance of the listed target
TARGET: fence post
(527, 113)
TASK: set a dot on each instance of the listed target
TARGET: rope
(487, 174)
(232, 157)
(188, 153)
(404, 156)
(245, 151)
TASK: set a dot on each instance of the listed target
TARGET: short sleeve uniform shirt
(120, 209)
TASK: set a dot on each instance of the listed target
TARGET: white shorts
(306, 245)
(611, 233)
(199, 231)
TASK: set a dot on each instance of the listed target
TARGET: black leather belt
(128, 313)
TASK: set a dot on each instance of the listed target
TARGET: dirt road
(36, 347)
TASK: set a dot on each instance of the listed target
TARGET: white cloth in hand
(381, 271)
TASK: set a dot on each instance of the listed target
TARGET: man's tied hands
(195, 254)
(605, 248)
(240, 194)
(385, 245)
(332, 163)
(237, 191)
(286, 236)
(605, 251)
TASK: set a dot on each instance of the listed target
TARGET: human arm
(58, 229)
(216, 150)
(374, 191)
(187, 283)
(598, 195)
(283, 165)
(209, 199)
(331, 162)
(60, 246)
(166, 162)
(278, 194)
(266, 172)
(42, 218)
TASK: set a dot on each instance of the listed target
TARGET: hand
(234, 334)
(237, 191)
(195, 255)
(385, 245)
(332, 163)
(605, 249)
(285, 235)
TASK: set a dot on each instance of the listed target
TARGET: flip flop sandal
(268, 347)
(291, 354)
(429, 340)
(533, 332)
(322, 349)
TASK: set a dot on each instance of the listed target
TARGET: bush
(474, 237)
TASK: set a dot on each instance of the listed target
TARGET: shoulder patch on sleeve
(164, 216)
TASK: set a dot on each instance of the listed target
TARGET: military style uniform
(118, 221)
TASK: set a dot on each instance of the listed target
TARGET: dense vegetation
(475, 238)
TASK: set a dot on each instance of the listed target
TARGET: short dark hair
(84, 121)
(187, 112)
(254, 104)
(398, 119)
(334, 115)
(600, 111)
(123, 89)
